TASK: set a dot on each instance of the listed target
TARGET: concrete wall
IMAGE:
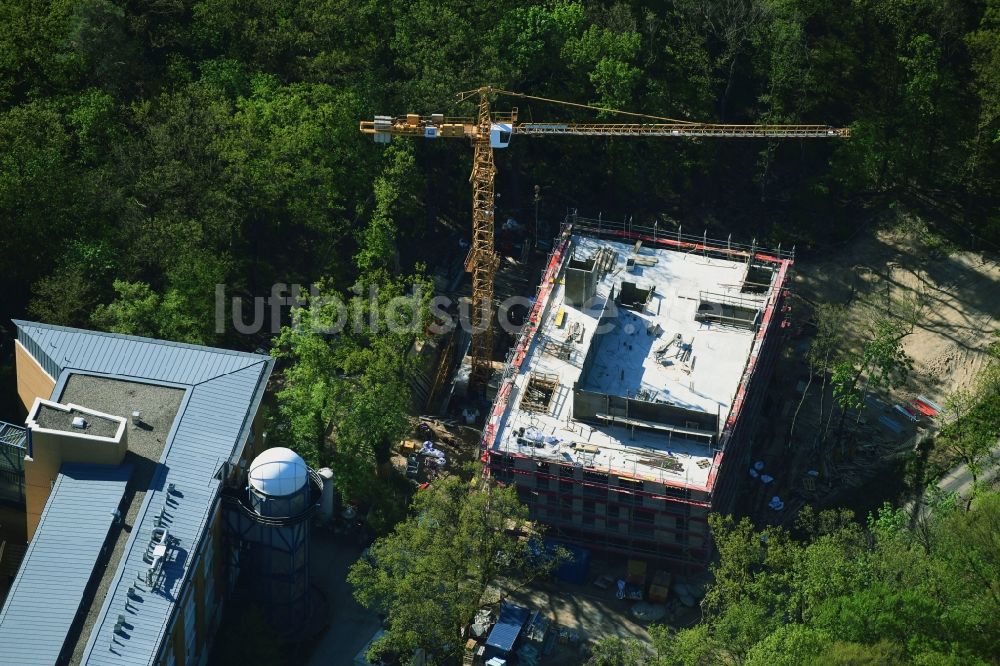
(606, 323)
(581, 282)
(32, 381)
(588, 404)
(737, 451)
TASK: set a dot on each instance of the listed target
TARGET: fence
(681, 241)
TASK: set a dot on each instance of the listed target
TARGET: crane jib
(384, 127)
(680, 130)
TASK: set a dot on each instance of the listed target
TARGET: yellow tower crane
(489, 130)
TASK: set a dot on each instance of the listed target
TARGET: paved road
(959, 479)
(350, 626)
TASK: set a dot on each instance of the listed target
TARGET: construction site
(625, 408)
(640, 364)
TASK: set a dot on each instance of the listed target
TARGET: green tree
(138, 310)
(39, 181)
(842, 594)
(351, 376)
(431, 574)
(881, 362)
(65, 297)
(615, 651)
(789, 645)
(377, 245)
(972, 429)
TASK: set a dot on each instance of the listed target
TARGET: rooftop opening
(758, 279)
(728, 310)
(634, 297)
(538, 394)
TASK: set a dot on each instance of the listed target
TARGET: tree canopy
(843, 593)
(437, 567)
(200, 142)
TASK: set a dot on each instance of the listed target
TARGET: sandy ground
(961, 295)
(961, 290)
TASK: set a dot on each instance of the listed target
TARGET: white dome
(278, 471)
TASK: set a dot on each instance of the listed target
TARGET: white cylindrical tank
(278, 483)
(278, 472)
(326, 502)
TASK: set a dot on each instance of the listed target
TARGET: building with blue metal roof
(153, 588)
(46, 595)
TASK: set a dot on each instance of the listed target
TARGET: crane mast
(488, 131)
(482, 261)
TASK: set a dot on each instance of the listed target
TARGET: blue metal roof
(223, 391)
(59, 563)
(58, 347)
(508, 627)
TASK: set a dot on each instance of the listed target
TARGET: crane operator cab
(500, 134)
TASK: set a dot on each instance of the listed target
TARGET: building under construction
(624, 412)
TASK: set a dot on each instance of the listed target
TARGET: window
(670, 491)
(640, 516)
(566, 471)
(566, 501)
(596, 493)
(588, 520)
(631, 484)
(628, 499)
(641, 530)
(612, 511)
(542, 467)
(588, 506)
(189, 618)
(566, 487)
(541, 481)
(681, 522)
(595, 477)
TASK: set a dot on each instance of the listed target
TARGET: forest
(152, 150)
(894, 591)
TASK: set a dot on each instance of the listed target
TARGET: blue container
(575, 569)
(508, 628)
